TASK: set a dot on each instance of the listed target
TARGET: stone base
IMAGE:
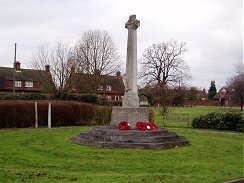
(129, 114)
(130, 99)
(110, 137)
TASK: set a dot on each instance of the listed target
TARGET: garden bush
(103, 115)
(217, 120)
(16, 114)
(66, 113)
(88, 98)
(151, 115)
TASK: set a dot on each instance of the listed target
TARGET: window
(18, 84)
(109, 98)
(198, 96)
(108, 88)
(100, 87)
(116, 98)
(224, 92)
(29, 84)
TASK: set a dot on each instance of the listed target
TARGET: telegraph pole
(14, 69)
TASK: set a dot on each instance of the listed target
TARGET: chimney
(47, 68)
(118, 74)
(72, 69)
(97, 72)
(17, 66)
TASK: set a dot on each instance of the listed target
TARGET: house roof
(22, 75)
(196, 94)
(87, 81)
(224, 93)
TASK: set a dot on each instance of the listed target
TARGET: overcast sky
(212, 29)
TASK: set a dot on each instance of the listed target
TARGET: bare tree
(59, 65)
(163, 64)
(236, 82)
(96, 51)
(96, 55)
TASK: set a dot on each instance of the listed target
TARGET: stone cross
(131, 98)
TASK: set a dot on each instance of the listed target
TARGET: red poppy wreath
(152, 126)
(146, 126)
(124, 125)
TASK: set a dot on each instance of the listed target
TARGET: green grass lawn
(192, 111)
(42, 155)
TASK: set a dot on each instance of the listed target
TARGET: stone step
(130, 138)
(136, 133)
(150, 139)
(163, 145)
(108, 137)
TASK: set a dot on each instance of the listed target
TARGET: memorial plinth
(129, 114)
(109, 137)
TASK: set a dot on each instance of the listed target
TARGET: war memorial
(130, 126)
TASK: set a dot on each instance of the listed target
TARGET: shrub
(215, 120)
(70, 113)
(151, 115)
(103, 115)
(88, 98)
(16, 114)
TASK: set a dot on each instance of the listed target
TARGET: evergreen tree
(212, 90)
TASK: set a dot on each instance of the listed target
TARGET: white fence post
(36, 116)
(49, 115)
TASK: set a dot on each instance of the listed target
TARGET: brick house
(26, 80)
(108, 87)
(195, 94)
(226, 97)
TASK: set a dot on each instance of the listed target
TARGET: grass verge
(42, 155)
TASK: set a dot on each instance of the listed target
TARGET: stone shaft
(131, 98)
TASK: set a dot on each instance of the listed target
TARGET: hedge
(87, 98)
(26, 96)
(216, 120)
(21, 114)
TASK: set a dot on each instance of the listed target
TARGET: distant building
(26, 80)
(225, 96)
(108, 87)
(195, 94)
(143, 100)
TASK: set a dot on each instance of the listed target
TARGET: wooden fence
(177, 118)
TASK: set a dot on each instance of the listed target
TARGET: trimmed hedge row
(27, 96)
(87, 98)
(215, 120)
(21, 114)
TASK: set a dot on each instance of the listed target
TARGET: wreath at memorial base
(146, 126)
(124, 125)
(152, 126)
